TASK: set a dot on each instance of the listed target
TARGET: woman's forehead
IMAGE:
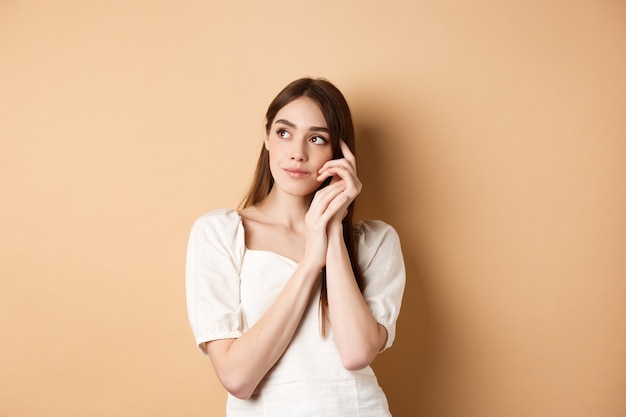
(302, 112)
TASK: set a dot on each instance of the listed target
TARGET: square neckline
(260, 251)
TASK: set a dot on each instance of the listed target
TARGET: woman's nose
(298, 152)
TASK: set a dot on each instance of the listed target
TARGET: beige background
(492, 136)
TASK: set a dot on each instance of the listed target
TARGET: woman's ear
(266, 142)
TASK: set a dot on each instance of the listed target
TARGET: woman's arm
(357, 335)
(241, 363)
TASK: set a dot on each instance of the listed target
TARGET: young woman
(291, 301)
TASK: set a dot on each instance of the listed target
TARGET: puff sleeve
(214, 255)
(382, 267)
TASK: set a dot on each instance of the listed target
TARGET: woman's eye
(318, 140)
(282, 134)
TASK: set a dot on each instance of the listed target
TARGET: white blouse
(229, 287)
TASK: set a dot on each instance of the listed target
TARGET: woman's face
(299, 144)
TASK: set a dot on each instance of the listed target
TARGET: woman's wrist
(335, 230)
(310, 269)
(335, 239)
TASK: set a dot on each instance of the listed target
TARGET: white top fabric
(229, 287)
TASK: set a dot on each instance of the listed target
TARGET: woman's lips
(296, 173)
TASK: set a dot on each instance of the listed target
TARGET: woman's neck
(285, 209)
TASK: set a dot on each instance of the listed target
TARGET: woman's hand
(342, 170)
(326, 203)
(330, 204)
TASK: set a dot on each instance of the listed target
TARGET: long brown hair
(339, 123)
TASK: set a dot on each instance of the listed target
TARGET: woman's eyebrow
(313, 128)
(319, 129)
(285, 122)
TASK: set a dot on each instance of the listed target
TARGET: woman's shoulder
(375, 238)
(368, 229)
(222, 218)
(219, 229)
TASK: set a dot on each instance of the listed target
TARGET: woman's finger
(348, 159)
(352, 183)
(330, 172)
(336, 206)
(330, 168)
(328, 203)
(323, 197)
(347, 153)
(338, 162)
(346, 174)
